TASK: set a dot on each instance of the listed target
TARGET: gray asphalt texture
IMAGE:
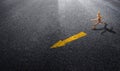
(28, 28)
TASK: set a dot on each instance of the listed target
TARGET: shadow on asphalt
(106, 29)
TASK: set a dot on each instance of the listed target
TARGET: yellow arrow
(68, 40)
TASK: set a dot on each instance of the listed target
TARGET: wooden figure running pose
(97, 20)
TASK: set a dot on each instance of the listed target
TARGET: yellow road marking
(68, 40)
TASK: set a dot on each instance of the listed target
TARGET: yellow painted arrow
(68, 40)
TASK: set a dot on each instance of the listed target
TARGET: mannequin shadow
(106, 29)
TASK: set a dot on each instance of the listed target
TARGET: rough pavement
(28, 28)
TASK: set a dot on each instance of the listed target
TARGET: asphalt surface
(28, 28)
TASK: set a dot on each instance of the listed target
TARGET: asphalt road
(28, 28)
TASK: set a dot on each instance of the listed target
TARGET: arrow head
(59, 44)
